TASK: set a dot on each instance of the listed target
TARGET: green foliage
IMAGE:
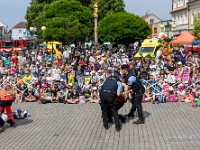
(107, 7)
(59, 16)
(66, 30)
(85, 2)
(123, 28)
(67, 20)
(196, 30)
(168, 39)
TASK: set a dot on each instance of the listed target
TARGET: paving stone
(168, 126)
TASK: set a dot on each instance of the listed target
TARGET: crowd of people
(46, 77)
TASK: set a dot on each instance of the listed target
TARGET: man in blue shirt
(135, 85)
(110, 89)
(182, 54)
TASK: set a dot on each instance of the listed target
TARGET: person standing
(182, 54)
(6, 99)
(110, 89)
(135, 85)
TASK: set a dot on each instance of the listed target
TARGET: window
(20, 31)
(155, 30)
(192, 18)
(167, 28)
(186, 1)
(181, 20)
(174, 5)
(151, 21)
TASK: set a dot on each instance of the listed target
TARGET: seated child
(171, 97)
(181, 93)
(157, 94)
(94, 96)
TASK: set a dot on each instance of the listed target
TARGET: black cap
(125, 66)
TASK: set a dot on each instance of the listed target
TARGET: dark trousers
(137, 102)
(119, 105)
(108, 100)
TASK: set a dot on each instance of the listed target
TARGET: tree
(66, 30)
(85, 2)
(67, 21)
(123, 28)
(107, 7)
(35, 11)
(196, 30)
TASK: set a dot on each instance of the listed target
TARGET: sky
(13, 11)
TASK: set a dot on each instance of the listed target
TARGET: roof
(2, 24)
(190, 1)
(20, 25)
(184, 38)
(148, 15)
(179, 9)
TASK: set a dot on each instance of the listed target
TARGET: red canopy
(184, 38)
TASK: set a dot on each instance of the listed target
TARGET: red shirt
(120, 98)
(14, 60)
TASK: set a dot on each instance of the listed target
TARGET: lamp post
(96, 22)
(33, 29)
(162, 27)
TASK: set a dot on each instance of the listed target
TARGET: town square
(99, 75)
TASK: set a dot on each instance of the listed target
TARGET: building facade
(19, 31)
(153, 22)
(194, 9)
(179, 14)
(166, 27)
(3, 31)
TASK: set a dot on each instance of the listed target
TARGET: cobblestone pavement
(69, 127)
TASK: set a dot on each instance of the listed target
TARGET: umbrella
(196, 42)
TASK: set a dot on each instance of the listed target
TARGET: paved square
(73, 127)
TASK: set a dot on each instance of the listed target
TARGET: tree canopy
(107, 7)
(67, 21)
(123, 28)
(196, 30)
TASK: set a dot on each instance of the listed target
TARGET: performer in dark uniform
(138, 90)
(108, 97)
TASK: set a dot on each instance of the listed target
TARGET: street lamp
(43, 28)
(32, 29)
(174, 26)
(162, 27)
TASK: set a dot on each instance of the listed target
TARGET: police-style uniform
(6, 99)
(108, 98)
(138, 92)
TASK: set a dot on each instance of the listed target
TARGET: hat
(72, 64)
(153, 67)
(179, 63)
(70, 84)
(99, 71)
(124, 67)
(171, 88)
(197, 87)
(87, 73)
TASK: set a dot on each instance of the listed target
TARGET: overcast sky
(13, 11)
